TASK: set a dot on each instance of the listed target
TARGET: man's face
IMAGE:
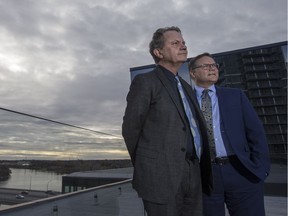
(206, 72)
(174, 50)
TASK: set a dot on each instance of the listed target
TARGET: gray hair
(158, 40)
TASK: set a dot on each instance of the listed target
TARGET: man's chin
(184, 60)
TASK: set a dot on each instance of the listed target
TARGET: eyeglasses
(207, 66)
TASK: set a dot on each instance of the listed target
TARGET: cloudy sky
(69, 61)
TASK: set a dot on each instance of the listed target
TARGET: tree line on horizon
(65, 166)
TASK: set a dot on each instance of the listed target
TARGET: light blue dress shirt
(221, 150)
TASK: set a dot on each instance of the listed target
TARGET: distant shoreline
(66, 166)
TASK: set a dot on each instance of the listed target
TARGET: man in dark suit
(240, 157)
(156, 130)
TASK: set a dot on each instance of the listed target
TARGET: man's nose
(183, 46)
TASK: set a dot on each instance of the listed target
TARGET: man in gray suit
(161, 139)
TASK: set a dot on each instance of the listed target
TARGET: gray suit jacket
(155, 133)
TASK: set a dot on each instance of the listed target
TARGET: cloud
(69, 60)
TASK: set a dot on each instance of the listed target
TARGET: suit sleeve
(138, 103)
(255, 134)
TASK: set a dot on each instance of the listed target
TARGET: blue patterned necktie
(206, 107)
(192, 123)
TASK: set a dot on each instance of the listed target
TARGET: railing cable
(57, 122)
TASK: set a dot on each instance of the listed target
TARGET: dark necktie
(206, 106)
(192, 123)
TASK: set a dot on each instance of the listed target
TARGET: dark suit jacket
(243, 131)
(155, 133)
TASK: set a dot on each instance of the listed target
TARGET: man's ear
(158, 53)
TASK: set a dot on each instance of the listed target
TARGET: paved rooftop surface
(119, 199)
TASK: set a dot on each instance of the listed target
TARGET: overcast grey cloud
(69, 60)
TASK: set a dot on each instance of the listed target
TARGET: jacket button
(183, 149)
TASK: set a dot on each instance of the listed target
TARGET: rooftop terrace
(120, 199)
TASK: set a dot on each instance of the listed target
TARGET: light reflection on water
(33, 180)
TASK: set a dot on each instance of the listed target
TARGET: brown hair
(192, 63)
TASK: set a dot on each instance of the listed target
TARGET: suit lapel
(166, 83)
(221, 103)
(191, 94)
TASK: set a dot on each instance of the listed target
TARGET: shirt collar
(169, 74)
(200, 89)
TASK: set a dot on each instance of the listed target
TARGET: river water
(33, 180)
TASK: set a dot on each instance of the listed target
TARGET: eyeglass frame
(207, 66)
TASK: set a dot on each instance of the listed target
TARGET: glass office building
(261, 72)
